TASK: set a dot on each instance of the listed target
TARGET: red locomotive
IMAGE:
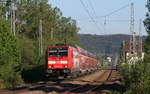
(67, 60)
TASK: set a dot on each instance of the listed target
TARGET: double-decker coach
(67, 60)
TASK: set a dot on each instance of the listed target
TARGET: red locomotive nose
(55, 64)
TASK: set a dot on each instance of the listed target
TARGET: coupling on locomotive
(67, 60)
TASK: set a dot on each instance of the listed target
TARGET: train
(64, 60)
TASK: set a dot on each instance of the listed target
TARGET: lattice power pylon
(133, 33)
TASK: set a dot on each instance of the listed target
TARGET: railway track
(98, 86)
(89, 84)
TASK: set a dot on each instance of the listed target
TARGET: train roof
(83, 51)
(62, 45)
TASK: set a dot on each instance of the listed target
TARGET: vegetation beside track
(136, 77)
(20, 56)
(10, 59)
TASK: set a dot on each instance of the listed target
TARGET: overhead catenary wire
(94, 12)
(91, 5)
(113, 12)
(93, 20)
(104, 16)
(113, 20)
(109, 14)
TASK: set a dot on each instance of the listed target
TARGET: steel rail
(87, 87)
(96, 87)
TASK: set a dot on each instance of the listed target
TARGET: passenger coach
(67, 60)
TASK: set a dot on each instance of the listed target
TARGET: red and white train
(67, 60)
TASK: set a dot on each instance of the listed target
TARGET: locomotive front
(58, 61)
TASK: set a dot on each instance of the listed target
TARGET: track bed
(98, 82)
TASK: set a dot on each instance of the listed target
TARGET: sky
(91, 15)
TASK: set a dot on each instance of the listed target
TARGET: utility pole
(133, 34)
(140, 37)
(2, 2)
(123, 52)
(66, 35)
(40, 39)
(52, 33)
(13, 18)
(13, 8)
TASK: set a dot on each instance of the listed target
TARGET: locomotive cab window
(58, 52)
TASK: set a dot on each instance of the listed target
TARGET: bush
(136, 78)
(9, 57)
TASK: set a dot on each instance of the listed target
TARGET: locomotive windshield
(58, 52)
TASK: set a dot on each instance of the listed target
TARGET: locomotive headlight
(51, 62)
(63, 62)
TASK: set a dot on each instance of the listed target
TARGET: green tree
(28, 16)
(9, 57)
(29, 13)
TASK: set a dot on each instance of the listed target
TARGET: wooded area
(136, 77)
(21, 54)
